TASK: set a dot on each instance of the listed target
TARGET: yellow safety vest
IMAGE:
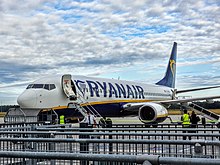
(186, 120)
(62, 119)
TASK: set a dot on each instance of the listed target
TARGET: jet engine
(152, 113)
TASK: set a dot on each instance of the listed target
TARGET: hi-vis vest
(62, 119)
(186, 119)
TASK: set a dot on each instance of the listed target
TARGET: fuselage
(107, 96)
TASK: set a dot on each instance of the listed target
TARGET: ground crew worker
(105, 122)
(102, 122)
(108, 122)
(90, 120)
(185, 123)
(62, 119)
(194, 120)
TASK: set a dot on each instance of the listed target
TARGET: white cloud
(103, 37)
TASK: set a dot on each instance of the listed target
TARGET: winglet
(170, 76)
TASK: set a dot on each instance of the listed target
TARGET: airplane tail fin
(170, 76)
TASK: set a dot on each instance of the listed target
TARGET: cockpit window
(43, 86)
(46, 86)
(38, 86)
(29, 86)
(52, 86)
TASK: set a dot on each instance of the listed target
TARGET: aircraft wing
(196, 89)
(136, 106)
(176, 101)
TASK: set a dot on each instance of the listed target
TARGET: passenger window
(52, 86)
(46, 86)
(38, 86)
(29, 86)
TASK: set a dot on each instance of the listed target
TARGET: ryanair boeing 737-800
(70, 95)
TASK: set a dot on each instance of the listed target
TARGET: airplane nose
(27, 99)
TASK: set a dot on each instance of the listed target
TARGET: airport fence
(35, 143)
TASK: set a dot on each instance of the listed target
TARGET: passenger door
(68, 87)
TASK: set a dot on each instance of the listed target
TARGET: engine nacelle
(152, 113)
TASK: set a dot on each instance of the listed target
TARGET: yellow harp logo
(172, 66)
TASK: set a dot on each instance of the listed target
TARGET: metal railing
(35, 143)
(103, 159)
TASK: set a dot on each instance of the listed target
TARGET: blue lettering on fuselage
(129, 92)
(79, 85)
(135, 91)
(121, 90)
(93, 87)
(140, 91)
(112, 90)
(103, 87)
(109, 89)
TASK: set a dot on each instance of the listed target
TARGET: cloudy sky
(130, 39)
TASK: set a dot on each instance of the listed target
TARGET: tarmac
(132, 120)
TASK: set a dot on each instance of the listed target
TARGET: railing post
(109, 125)
(70, 146)
(33, 146)
(52, 148)
(84, 147)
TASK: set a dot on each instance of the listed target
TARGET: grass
(2, 114)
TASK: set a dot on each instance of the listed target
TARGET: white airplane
(67, 94)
